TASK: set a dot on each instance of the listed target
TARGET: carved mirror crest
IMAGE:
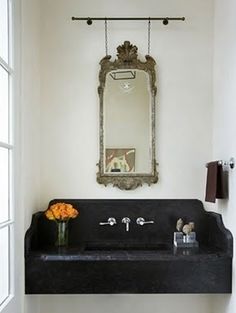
(127, 94)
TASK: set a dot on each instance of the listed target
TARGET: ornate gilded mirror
(127, 94)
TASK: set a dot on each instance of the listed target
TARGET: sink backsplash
(164, 213)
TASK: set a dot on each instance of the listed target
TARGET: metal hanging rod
(165, 20)
(230, 163)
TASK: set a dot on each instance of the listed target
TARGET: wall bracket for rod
(165, 20)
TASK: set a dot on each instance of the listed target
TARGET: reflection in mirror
(127, 120)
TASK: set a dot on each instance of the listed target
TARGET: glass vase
(62, 234)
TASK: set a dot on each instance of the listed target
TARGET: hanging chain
(149, 35)
(106, 40)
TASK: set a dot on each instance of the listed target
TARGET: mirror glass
(127, 120)
(127, 93)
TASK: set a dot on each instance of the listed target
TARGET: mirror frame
(127, 58)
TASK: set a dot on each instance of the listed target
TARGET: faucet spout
(126, 221)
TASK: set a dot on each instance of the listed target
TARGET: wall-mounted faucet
(111, 221)
(141, 221)
(126, 221)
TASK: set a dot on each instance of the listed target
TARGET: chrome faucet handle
(111, 221)
(126, 221)
(141, 221)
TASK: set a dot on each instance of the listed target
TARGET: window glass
(4, 263)
(4, 30)
(4, 186)
(4, 108)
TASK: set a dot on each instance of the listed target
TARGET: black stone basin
(104, 259)
(98, 246)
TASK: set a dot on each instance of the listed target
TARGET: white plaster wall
(30, 119)
(70, 53)
(224, 121)
(30, 113)
(125, 304)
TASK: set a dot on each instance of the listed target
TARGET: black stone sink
(97, 246)
(108, 259)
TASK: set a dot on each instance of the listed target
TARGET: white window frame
(14, 302)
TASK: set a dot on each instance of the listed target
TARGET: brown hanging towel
(217, 182)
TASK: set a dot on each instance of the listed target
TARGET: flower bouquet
(61, 213)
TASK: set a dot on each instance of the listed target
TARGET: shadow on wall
(221, 303)
(126, 303)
